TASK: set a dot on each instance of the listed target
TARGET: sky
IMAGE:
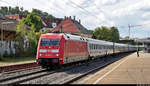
(97, 13)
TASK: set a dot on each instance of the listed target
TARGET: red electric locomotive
(58, 49)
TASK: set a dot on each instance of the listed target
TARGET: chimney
(74, 18)
(70, 17)
(65, 17)
(79, 21)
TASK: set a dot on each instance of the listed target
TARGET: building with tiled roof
(71, 26)
(49, 24)
(15, 16)
(8, 36)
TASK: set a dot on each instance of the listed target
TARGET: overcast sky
(95, 13)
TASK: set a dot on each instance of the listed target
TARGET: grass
(16, 60)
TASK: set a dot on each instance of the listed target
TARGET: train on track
(59, 49)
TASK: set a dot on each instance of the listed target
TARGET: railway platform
(128, 70)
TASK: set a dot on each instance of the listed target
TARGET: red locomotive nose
(49, 48)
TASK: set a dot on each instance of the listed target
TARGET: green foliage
(21, 30)
(115, 34)
(5, 54)
(33, 38)
(105, 33)
(20, 35)
(41, 14)
(16, 10)
(34, 20)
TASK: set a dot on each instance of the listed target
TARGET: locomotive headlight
(55, 51)
(43, 51)
(41, 55)
(55, 54)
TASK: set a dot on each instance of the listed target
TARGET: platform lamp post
(129, 35)
(2, 34)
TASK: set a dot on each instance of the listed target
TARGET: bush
(1, 58)
(5, 54)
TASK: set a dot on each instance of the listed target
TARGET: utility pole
(129, 34)
(129, 30)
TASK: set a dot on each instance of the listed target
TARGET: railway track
(25, 77)
(17, 67)
(66, 75)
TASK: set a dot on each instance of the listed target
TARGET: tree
(4, 10)
(114, 34)
(33, 38)
(42, 14)
(102, 33)
(20, 35)
(105, 33)
(34, 20)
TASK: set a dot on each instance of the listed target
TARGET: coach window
(97, 46)
(101, 47)
(104, 47)
(91, 46)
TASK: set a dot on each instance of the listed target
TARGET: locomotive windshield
(49, 42)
